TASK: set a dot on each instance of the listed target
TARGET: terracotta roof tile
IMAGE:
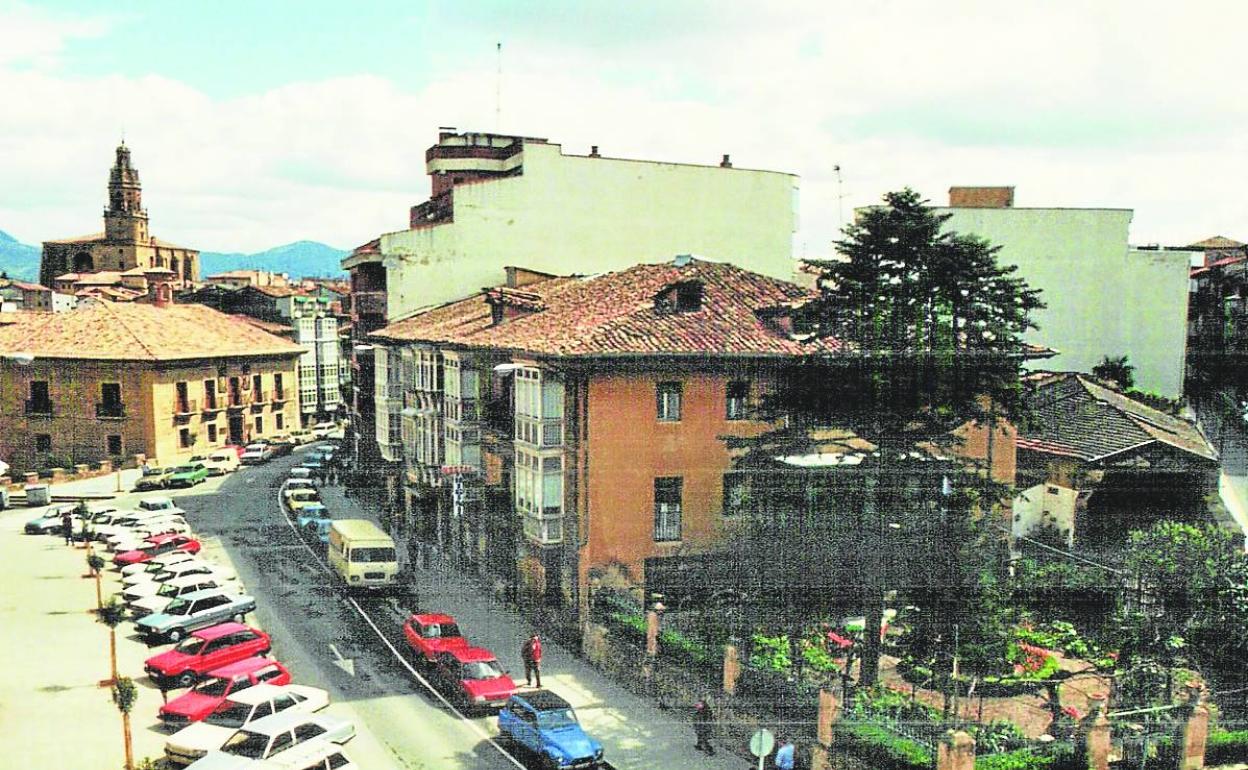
(140, 332)
(1216, 242)
(621, 313)
(89, 238)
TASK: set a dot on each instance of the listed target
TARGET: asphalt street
(323, 638)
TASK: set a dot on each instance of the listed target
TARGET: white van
(363, 555)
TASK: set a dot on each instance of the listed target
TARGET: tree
(112, 614)
(124, 696)
(1116, 370)
(917, 332)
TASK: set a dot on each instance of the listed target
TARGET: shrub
(770, 652)
(886, 747)
(1020, 759)
(1226, 746)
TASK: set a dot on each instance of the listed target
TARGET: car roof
(543, 700)
(471, 654)
(313, 507)
(205, 593)
(219, 630)
(280, 722)
(258, 693)
(432, 617)
(157, 501)
(244, 666)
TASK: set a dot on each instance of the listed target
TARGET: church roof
(93, 237)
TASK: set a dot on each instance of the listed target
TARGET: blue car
(545, 724)
(314, 520)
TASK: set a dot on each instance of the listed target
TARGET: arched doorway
(83, 262)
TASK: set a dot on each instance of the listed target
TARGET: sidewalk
(636, 734)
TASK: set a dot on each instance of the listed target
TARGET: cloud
(1103, 104)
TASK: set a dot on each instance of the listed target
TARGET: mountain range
(299, 259)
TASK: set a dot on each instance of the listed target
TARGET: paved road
(403, 727)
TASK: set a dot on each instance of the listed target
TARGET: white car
(190, 567)
(243, 708)
(313, 755)
(133, 537)
(322, 429)
(131, 523)
(220, 462)
(255, 454)
(266, 738)
(143, 595)
(157, 563)
(160, 505)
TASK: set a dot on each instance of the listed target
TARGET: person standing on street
(67, 526)
(703, 718)
(784, 755)
(531, 652)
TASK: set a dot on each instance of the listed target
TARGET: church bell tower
(125, 219)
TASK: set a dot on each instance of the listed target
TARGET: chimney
(161, 294)
(726, 162)
(981, 197)
(593, 152)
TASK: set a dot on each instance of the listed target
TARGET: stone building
(112, 380)
(126, 242)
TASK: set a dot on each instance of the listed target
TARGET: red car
(157, 545)
(206, 650)
(472, 676)
(203, 698)
(432, 633)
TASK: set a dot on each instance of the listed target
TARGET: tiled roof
(1216, 242)
(140, 332)
(167, 245)
(1217, 263)
(1077, 417)
(281, 330)
(102, 278)
(90, 238)
(615, 314)
(276, 291)
(29, 286)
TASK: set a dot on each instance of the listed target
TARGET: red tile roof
(1216, 242)
(615, 314)
(140, 332)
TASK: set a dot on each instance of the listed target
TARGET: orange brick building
(556, 427)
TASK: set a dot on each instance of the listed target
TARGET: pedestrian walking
(703, 718)
(784, 755)
(67, 526)
(531, 652)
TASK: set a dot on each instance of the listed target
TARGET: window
(336, 760)
(110, 394)
(259, 424)
(114, 445)
(184, 438)
(738, 397)
(183, 401)
(40, 402)
(210, 394)
(279, 420)
(736, 492)
(279, 391)
(257, 384)
(212, 434)
(43, 442)
(667, 495)
(668, 396)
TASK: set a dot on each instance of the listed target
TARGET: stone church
(126, 243)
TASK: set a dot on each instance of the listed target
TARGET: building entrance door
(236, 429)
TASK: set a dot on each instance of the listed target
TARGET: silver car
(272, 735)
(194, 611)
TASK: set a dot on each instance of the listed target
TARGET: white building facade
(320, 366)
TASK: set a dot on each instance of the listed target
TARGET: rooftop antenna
(498, 88)
(840, 198)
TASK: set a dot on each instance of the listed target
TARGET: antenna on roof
(498, 88)
(840, 198)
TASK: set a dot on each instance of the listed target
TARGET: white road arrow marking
(346, 664)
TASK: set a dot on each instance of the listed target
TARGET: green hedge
(1224, 746)
(885, 748)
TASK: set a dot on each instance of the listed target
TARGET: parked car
(194, 611)
(545, 725)
(311, 755)
(220, 462)
(180, 569)
(157, 545)
(429, 634)
(151, 604)
(153, 478)
(302, 436)
(297, 498)
(312, 463)
(138, 526)
(137, 591)
(281, 445)
(273, 735)
(237, 449)
(314, 520)
(292, 484)
(256, 454)
(241, 710)
(156, 563)
(322, 429)
(188, 475)
(160, 504)
(50, 520)
(203, 651)
(472, 677)
(205, 697)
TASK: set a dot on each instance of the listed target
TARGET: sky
(262, 122)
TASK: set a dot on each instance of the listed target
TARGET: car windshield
(372, 554)
(482, 669)
(190, 645)
(168, 589)
(214, 688)
(177, 607)
(247, 744)
(233, 715)
(556, 718)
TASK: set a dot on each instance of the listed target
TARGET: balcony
(185, 406)
(368, 303)
(544, 530)
(110, 411)
(212, 405)
(539, 433)
(38, 408)
(238, 400)
(279, 396)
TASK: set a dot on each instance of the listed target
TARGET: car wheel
(176, 635)
(186, 679)
(239, 617)
(265, 651)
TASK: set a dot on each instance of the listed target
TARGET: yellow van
(363, 555)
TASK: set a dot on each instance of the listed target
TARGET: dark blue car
(546, 725)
